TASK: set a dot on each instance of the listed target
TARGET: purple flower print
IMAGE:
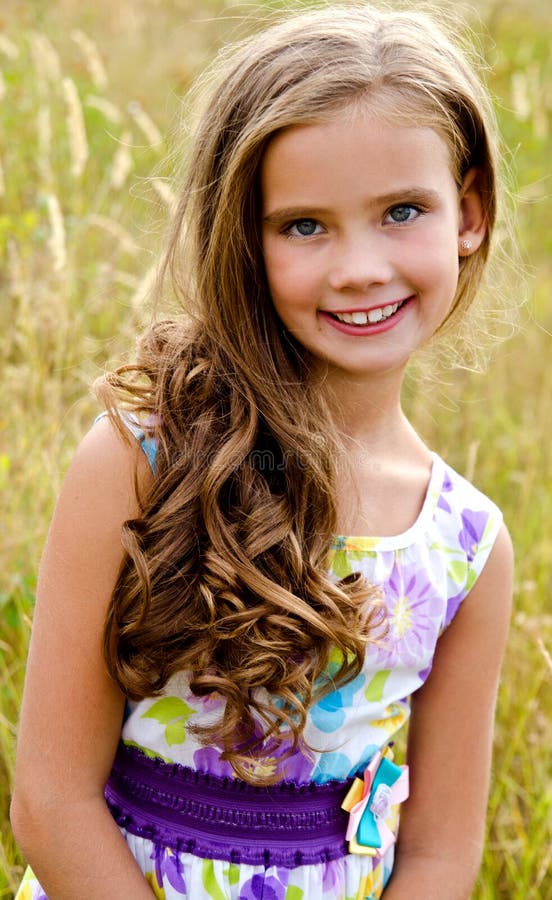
(266, 887)
(424, 674)
(333, 880)
(208, 760)
(453, 605)
(470, 536)
(205, 703)
(473, 528)
(272, 760)
(296, 767)
(446, 488)
(168, 864)
(414, 612)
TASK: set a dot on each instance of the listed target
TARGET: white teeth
(372, 316)
(356, 318)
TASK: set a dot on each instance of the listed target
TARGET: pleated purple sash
(225, 818)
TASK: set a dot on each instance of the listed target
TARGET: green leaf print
(294, 893)
(490, 526)
(167, 709)
(174, 713)
(472, 578)
(232, 873)
(210, 882)
(359, 555)
(341, 566)
(375, 687)
(175, 732)
(442, 548)
(458, 571)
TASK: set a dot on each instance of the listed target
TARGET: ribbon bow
(369, 803)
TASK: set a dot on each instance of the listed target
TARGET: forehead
(353, 152)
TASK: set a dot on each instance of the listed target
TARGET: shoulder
(136, 431)
(107, 475)
(116, 445)
(79, 569)
(84, 547)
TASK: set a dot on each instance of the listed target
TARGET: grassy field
(87, 92)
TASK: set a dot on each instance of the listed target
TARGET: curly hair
(225, 574)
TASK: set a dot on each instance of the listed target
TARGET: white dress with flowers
(425, 574)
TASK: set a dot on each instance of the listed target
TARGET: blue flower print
(329, 713)
(365, 758)
(332, 767)
(337, 766)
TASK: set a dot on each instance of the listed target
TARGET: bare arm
(72, 711)
(450, 745)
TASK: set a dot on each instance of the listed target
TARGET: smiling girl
(258, 572)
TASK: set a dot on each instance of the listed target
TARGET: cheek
(274, 266)
(288, 278)
(435, 265)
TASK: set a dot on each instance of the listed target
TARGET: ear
(472, 222)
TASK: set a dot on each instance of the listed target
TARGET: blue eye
(406, 213)
(303, 228)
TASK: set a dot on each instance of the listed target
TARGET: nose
(359, 261)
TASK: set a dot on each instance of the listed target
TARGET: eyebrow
(294, 212)
(413, 194)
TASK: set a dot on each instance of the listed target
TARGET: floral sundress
(425, 573)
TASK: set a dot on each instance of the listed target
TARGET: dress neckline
(363, 543)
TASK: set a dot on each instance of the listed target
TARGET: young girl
(257, 570)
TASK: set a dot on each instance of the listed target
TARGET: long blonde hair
(225, 573)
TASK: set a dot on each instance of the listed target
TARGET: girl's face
(361, 223)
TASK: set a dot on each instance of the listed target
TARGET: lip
(369, 328)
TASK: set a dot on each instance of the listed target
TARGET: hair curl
(225, 569)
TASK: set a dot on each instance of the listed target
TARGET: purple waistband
(226, 818)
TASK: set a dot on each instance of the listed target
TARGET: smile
(367, 317)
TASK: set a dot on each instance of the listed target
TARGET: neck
(361, 406)
(368, 414)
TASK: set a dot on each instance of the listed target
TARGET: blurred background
(89, 97)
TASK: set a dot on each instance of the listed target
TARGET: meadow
(88, 93)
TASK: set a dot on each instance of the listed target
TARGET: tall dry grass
(86, 92)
